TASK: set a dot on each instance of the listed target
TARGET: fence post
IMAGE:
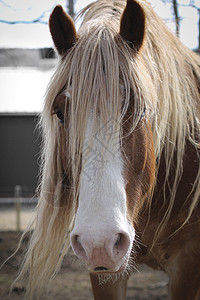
(18, 196)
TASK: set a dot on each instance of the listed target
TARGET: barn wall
(19, 154)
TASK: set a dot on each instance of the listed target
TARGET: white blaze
(102, 207)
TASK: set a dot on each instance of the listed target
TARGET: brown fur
(177, 250)
(139, 162)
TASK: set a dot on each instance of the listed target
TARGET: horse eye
(60, 115)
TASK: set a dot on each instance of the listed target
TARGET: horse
(120, 170)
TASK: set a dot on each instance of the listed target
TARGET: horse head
(116, 163)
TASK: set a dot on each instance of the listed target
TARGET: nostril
(77, 247)
(118, 240)
(121, 245)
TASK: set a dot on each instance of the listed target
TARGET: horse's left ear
(62, 29)
(132, 26)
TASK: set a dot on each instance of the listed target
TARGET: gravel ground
(72, 282)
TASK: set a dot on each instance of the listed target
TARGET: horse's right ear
(62, 29)
(132, 25)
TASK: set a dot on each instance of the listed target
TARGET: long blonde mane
(164, 77)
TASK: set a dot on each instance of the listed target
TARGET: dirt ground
(72, 282)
